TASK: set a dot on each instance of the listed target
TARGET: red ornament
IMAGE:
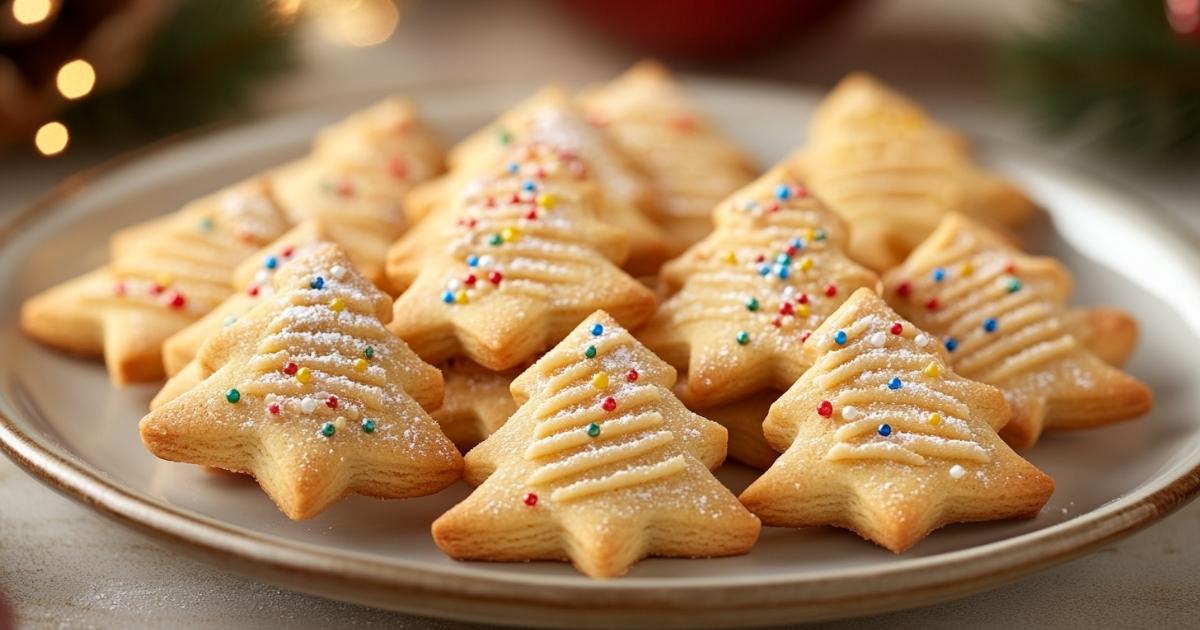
(932, 304)
(176, 300)
(786, 308)
(398, 168)
(273, 408)
(830, 290)
(904, 289)
(495, 277)
(631, 375)
(290, 368)
(331, 402)
(530, 499)
(825, 409)
(792, 250)
(470, 280)
(609, 404)
(897, 328)
(802, 298)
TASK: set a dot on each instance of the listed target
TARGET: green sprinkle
(1014, 285)
(368, 426)
(593, 430)
(229, 320)
(590, 352)
(328, 429)
(743, 337)
(233, 396)
(820, 234)
(752, 304)
(206, 224)
(503, 136)
(496, 239)
(369, 352)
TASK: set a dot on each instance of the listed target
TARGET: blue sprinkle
(597, 330)
(764, 270)
(271, 262)
(783, 259)
(798, 243)
(513, 167)
(529, 186)
(840, 337)
(472, 261)
(894, 383)
(990, 324)
(448, 297)
(782, 192)
(885, 429)
(317, 283)
(782, 271)
(951, 344)
(939, 274)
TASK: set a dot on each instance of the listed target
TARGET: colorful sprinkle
(233, 395)
(939, 274)
(830, 290)
(472, 261)
(597, 330)
(461, 297)
(895, 383)
(600, 380)
(273, 409)
(230, 320)
(593, 430)
(1013, 285)
(934, 419)
(885, 429)
(308, 405)
(820, 234)
(785, 309)
(360, 365)
(802, 310)
(503, 136)
(332, 402)
(729, 257)
(470, 280)
(897, 328)
(271, 262)
(513, 167)
(530, 499)
(328, 429)
(631, 375)
(825, 409)
(877, 339)
(448, 297)
(933, 370)
(743, 338)
(806, 263)
(337, 305)
(206, 224)
(921, 340)
(590, 352)
(932, 304)
(967, 269)
(951, 344)
(290, 368)
(752, 304)
(839, 337)
(176, 300)
(990, 324)
(957, 472)
(317, 283)
(529, 186)
(304, 375)
(368, 426)
(546, 200)
(609, 404)
(369, 352)
(850, 412)
(782, 192)
(496, 240)
(904, 289)
(783, 271)
(495, 277)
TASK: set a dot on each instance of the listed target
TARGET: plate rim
(445, 593)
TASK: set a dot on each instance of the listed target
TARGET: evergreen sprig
(1116, 68)
(202, 64)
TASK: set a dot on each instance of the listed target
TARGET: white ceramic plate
(64, 423)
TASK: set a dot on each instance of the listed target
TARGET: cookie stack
(857, 322)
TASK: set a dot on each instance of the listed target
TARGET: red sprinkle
(514, 198)
(805, 335)
(119, 288)
(786, 308)
(156, 288)
(490, 202)
(252, 290)
(932, 304)
(345, 188)
(495, 277)
(331, 402)
(531, 215)
(759, 258)
(175, 299)
(792, 250)
(530, 499)
(540, 173)
(904, 289)
(771, 208)
(470, 280)
(273, 408)
(290, 368)
(802, 298)
(830, 290)
(1011, 267)
(825, 409)
(897, 328)
(799, 191)
(631, 375)
(287, 251)
(398, 167)
(610, 404)
(777, 321)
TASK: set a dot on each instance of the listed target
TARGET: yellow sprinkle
(933, 370)
(460, 297)
(935, 419)
(337, 305)
(802, 310)
(304, 375)
(545, 200)
(967, 268)
(729, 257)
(163, 278)
(360, 365)
(810, 234)
(510, 234)
(806, 263)
(600, 380)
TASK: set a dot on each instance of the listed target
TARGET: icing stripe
(628, 477)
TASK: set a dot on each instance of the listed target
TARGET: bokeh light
(31, 11)
(76, 79)
(52, 138)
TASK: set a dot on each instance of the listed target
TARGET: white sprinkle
(850, 412)
(486, 261)
(338, 271)
(877, 339)
(957, 471)
(453, 284)
(262, 276)
(921, 341)
(308, 405)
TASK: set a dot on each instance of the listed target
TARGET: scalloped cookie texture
(601, 465)
(881, 437)
(1002, 317)
(878, 160)
(508, 269)
(747, 296)
(310, 394)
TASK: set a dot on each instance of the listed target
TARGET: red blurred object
(6, 616)
(1184, 16)
(702, 28)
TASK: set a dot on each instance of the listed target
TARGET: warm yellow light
(287, 10)
(52, 138)
(356, 22)
(31, 11)
(76, 79)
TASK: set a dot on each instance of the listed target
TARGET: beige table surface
(62, 566)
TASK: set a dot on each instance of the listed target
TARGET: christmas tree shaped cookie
(310, 394)
(750, 293)
(550, 117)
(878, 160)
(881, 437)
(690, 164)
(477, 402)
(600, 466)
(163, 275)
(511, 266)
(1001, 316)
